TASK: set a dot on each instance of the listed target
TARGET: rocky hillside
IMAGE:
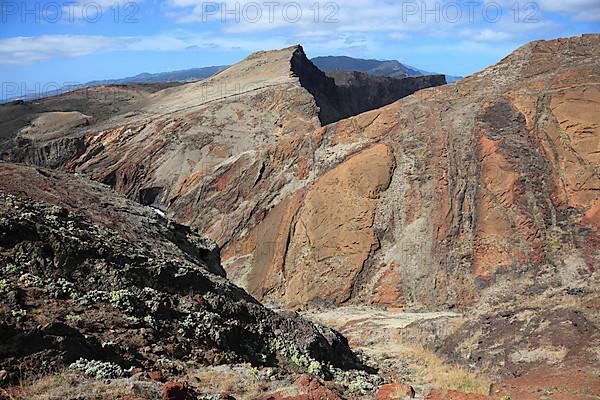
(382, 68)
(361, 92)
(185, 75)
(446, 197)
(88, 275)
(481, 197)
(431, 202)
(236, 134)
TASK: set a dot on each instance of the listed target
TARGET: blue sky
(46, 42)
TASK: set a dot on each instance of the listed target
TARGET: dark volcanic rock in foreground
(89, 275)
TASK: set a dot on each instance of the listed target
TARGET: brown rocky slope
(232, 137)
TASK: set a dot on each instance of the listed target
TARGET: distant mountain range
(387, 68)
(185, 75)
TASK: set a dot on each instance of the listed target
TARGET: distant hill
(171, 77)
(389, 68)
(185, 75)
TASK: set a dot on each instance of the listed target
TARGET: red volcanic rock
(395, 391)
(453, 395)
(304, 388)
(175, 391)
(336, 225)
(304, 381)
(481, 195)
(470, 182)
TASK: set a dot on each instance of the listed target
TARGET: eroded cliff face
(362, 92)
(475, 185)
(439, 200)
(333, 235)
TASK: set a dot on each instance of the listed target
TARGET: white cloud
(488, 35)
(24, 50)
(363, 27)
(396, 20)
(578, 10)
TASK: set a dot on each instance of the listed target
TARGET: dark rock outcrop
(359, 92)
(113, 281)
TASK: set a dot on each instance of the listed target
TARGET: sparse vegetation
(301, 361)
(93, 297)
(75, 385)
(244, 382)
(9, 269)
(61, 289)
(124, 300)
(19, 315)
(5, 287)
(98, 369)
(442, 375)
(30, 280)
(75, 319)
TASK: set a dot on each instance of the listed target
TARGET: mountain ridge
(378, 68)
(390, 68)
(183, 75)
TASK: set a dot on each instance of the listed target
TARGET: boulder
(395, 391)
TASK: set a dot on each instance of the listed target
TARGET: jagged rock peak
(291, 50)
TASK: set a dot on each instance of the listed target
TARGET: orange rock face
(453, 395)
(333, 235)
(305, 388)
(395, 391)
